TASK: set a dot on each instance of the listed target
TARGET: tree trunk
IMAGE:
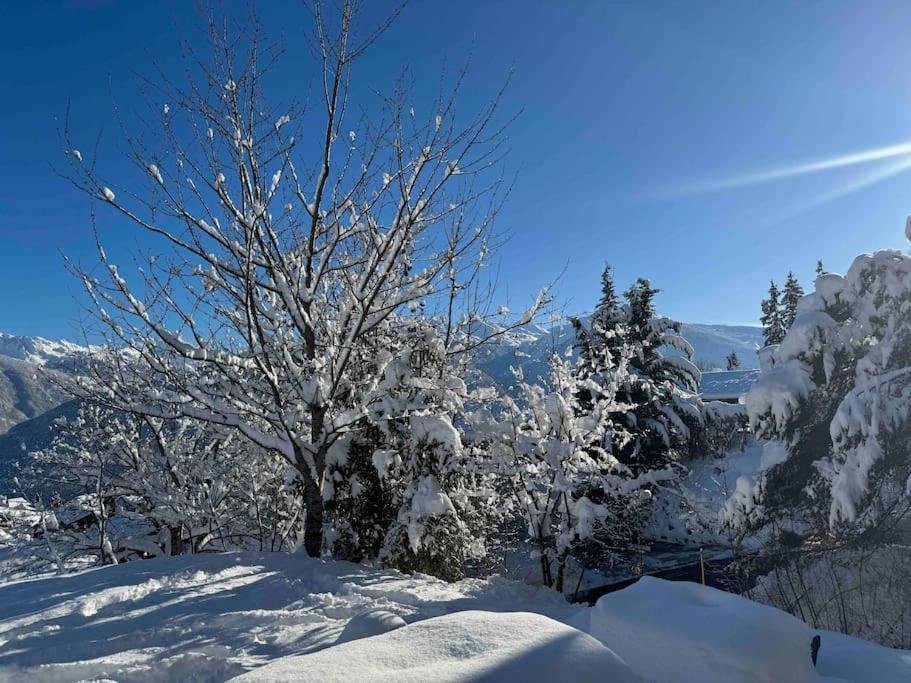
(176, 540)
(561, 573)
(313, 522)
(546, 577)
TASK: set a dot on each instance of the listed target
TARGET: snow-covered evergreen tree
(656, 409)
(405, 488)
(664, 391)
(661, 387)
(790, 297)
(772, 320)
(837, 392)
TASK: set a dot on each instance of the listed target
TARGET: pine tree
(656, 413)
(772, 325)
(608, 328)
(820, 269)
(791, 296)
(663, 413)
(609, 300)
(641, 298)
(733, 361)
(658, 384)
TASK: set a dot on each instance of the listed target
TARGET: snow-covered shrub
(143, 487)
(725, 428)
(554, 447)
(404, 488)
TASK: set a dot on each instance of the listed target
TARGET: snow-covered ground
(211, 617)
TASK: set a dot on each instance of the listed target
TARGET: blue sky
(634, 118)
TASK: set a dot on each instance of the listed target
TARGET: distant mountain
(26, 438)
(713, 343)
(532, 348)
(39, 351)
(26, 391)
(31, 398)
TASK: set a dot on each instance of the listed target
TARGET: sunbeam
(719, 185)
(876, 176)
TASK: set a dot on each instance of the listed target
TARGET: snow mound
(671, 632)
(210, 617)
(373, 622)
(467, 646)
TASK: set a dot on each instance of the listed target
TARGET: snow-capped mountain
(39, 351)
(27, 369)
(531, 348)
(30, 397)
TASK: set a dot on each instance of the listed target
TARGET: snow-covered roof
(726, 385)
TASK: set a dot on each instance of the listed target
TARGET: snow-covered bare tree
(290, 237)
(138, 486)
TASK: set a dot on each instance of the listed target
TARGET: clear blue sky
(629, 112)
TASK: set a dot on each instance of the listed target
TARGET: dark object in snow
(717, 575)
(814, 648)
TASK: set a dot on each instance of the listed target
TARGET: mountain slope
(26, 438)
(713, 343)
(26, 391)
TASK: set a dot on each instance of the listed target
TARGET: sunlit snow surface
(211, 617)
(208, 617)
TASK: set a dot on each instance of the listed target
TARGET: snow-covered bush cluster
(119, 486)
(425, 475)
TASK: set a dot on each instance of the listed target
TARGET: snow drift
(473, 645)
(687, 632)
